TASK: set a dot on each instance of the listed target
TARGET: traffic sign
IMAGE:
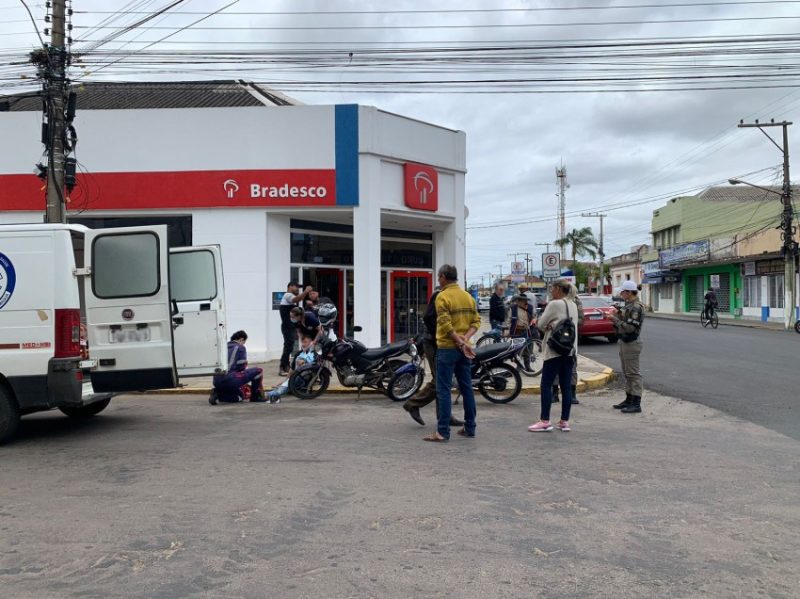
(551, 265)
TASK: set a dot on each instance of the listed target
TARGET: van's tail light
(68, 333)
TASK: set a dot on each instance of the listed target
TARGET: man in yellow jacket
(457, 320)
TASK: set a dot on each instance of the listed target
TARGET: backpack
(562, 338)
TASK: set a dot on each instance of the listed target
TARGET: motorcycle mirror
(357, 329)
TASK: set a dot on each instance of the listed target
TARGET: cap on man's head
(519, 297)
(628, 286)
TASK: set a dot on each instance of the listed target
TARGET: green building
(725, 238)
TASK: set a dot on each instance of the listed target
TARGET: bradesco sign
(186, 189)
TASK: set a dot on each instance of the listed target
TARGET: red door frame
(339, 272)
(404, 274)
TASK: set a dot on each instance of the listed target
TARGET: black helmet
(327, 314)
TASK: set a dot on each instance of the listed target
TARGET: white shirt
(288, 299)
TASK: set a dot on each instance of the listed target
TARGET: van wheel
(9, 416)
(87, 411)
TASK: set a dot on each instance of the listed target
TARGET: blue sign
(8, 279)
(686, 252)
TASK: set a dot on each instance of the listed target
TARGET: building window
(775, 291)
(665, 291)
(627, 277)
(752, 292)
(309, 248)
(406, 254)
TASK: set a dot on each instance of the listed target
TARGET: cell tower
(561, 178)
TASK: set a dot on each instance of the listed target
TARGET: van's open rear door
(128, 315)
(196, 287)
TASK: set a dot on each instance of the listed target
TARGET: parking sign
(551, 265)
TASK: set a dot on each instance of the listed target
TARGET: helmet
(327, 314)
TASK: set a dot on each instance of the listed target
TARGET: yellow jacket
(455, 311)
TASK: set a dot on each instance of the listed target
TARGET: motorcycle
(357, 366)
(528, 355)
(493, 374)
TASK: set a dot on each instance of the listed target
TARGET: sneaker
(274, 400)
(541, 427)
(563, 426)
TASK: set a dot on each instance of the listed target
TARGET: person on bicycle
(522, 319)
(711, 303)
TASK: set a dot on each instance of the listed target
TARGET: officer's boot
(624, 403)
(575, 395)
(556, 398)
(634, 407)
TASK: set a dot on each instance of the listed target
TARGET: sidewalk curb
(591, 382)
(730, 322)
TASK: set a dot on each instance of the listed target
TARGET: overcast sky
(618, 147)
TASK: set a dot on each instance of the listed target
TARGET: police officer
(628, 324)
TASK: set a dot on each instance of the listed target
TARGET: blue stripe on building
(346, 128)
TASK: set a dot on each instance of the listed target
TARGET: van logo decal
(8, 280)
(127, 314)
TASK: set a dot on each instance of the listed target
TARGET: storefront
(763, 288)
(362, 204)
(723, 278)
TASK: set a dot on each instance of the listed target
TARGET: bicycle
(713, 320)
(532, 351)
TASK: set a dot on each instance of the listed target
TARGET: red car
(594, 322)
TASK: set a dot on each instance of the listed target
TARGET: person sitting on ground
(305, 356)
(227, 386)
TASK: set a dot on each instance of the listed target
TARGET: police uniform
(629, 327)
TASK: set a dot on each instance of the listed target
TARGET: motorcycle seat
(387, 351)
(487, 352)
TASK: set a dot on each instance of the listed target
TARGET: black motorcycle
(357, 366)
(494, 374)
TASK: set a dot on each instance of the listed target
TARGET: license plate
(129, 335)
(596, 317)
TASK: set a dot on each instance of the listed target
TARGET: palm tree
(581, 243)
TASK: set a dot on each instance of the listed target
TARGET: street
(748, 373)
(168, 497)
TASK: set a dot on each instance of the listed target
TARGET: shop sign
(651, 268)
(183, 189)
(421, 187)
(687, 252)
(518, 271)
(715, 282)
(749, 269)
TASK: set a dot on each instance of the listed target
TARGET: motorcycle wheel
(500, 384)
(304, 385)
(404, 385)
(797, 326)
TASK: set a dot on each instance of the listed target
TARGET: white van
(85, 314)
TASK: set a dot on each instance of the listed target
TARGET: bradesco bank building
(362, 204)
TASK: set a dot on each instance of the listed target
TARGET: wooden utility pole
(55, 91)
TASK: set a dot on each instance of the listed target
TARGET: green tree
(581, 242)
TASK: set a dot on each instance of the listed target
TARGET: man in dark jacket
(428, 393)
(497, 307)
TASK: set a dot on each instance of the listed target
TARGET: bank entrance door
(336, 284)
(409, 292)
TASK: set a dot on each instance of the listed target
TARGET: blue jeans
(561, 368)
(496, 325)
(448, 362)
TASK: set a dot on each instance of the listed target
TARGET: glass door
(329, 282)
(409, 292)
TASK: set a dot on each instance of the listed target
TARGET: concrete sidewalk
(724, 319)
(591, 375)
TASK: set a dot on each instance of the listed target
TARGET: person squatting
(228, 386)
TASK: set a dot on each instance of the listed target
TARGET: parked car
(594, 322)
(483, 303)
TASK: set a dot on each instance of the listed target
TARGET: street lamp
(767, 189)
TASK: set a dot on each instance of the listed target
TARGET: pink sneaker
(563, 426)
(541, 427)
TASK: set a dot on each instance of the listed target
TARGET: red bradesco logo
(422, 187)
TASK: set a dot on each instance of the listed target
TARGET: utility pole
(55, 92)
(561, 177)
(545, 244)
(601, 287)
(789, 248)
(500, 266)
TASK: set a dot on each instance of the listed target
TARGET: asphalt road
(745, 372)
(167, 498)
